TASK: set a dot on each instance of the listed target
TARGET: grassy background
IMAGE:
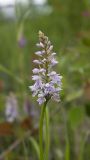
(68, 27)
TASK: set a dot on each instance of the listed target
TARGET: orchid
(47, 83)
(11, 111)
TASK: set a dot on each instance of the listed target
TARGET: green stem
(41, 131)
(47, 133)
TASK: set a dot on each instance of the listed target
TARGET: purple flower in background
(47, 83)
(11, 111)
(21, 41)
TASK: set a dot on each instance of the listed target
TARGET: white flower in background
(11, 111)
(47, 82)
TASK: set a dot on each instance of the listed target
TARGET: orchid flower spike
(47, 83)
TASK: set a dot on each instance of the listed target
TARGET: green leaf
(35, 145)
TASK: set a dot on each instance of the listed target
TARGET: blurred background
(67, 24)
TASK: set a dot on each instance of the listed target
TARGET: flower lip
(52, 73)
(36, 77)
(40, 53)
(42, 70)
(37, 62)
(35, 70)
(54, 62)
